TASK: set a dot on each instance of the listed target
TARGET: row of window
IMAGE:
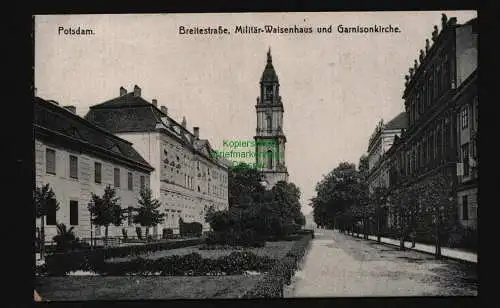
(216, 175)
(465, 114)
(430, 150)
(50, 167)
(436, 81)
(51, 219)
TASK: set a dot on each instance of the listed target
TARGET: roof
(60, 121)
(398, 122)
(269, 73)
(129, 113)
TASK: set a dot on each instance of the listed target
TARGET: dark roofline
(84, 121)
(431, 53)
(40, 130)
(151, 106)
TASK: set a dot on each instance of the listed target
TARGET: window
(130, 181)
(476, 113)
(431, 88)
(73, 167)
(143, 182)
(51, 215)
(269, 123)
(269, 92)
(130, 215)
(117, 177)
(97, 172)
(438, 81)
(465, 208)
(50, 161)
(270, 159)
(445, 75)
(73, 213)
(465, 158)
(465, 117)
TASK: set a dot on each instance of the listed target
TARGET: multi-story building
(77, 158)
(467, 134)
(270, 139)
(380, 142)
(188, 179)
(438, 140)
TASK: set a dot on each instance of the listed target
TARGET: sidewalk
(451, 253)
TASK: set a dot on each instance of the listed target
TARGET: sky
(335, 86)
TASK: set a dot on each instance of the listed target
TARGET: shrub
(188, 265)
(167, 233)
(190, 229)
(271, 285)
(462, 237)
(58, 264)
(138, 231)
(235, 238)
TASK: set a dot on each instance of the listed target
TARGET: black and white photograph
(255, 155)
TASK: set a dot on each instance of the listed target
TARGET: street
(338, 265)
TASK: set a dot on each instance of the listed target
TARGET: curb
(443, 257)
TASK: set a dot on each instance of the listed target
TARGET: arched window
(269, 123)
(269, 92)
(270, 159)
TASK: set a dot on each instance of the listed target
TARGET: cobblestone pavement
(339, 265)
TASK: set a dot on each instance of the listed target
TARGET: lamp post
(378, 217)
(439, 211)
(91, 229)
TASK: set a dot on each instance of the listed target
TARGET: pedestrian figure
(413, 235)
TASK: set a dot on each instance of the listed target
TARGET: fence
(113, 241)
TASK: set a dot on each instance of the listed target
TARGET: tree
(438, 200)
(65, 238)
(148, 213)
(106, 210)
(244, 185)
(45, 201)
(336, 192)
(287, 197)
(379, 199)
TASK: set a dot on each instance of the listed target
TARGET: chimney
(164, 110)
(155, 102)
(196, 131)
(71, 108)
(184, 122)
(137, 91)
(123, 91)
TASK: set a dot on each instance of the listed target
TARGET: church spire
(269, 74)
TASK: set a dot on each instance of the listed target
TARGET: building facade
(270, 138)
(77, 158)
(441, 102)
(380, 142)
(188, 179)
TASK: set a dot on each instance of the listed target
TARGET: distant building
(380, 142)
(187, 179)
(77, 158)
(270, 138)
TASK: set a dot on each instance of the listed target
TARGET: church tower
(270, 139)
